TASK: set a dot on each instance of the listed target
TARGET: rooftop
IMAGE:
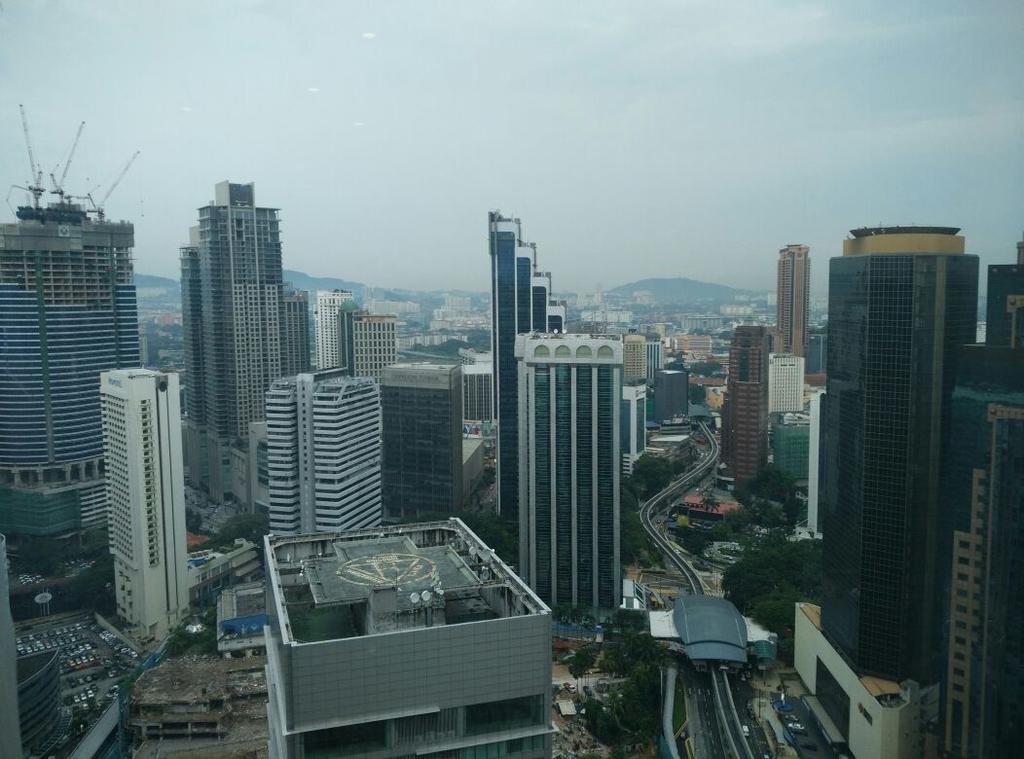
(333, 585)
(898, 230)
(710, 629)
(200, 679)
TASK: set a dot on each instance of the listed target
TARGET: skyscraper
(634, 357)
(329, 305)
(10, 736)
(633, 424)
(422, 461)
(478, 392)
(655, 356)
(367, 342)
(570, 394)
(983, 497)
(67, 313)
(234, 264)
(671, 394)
(1005, 312)
(785, 383)
(514, 310)
(295, 342)
(814, 463)
(902, 300)
(323, 453)
(793, 299)
(817, 347)
(745, 416)
(146, 488)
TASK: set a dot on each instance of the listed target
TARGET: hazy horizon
(633, 140)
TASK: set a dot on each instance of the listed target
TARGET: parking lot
(92, 660)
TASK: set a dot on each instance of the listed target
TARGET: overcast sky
(634, 139)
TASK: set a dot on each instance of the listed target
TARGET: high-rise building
(655, 356)
(514, 311)
(671, 394)
(478, 392)
(817, 347)
(442, 650)
(1004, 315)
(902, 300)
(570, 394)
(367, 343)
(785, 383)
(633, 418)
(295, 342)
(983, 496)
(814, 463)
(745, 412)
(422, 439)
(146, 488)
(793, 299)
(323, 453)
(329, 307)
(234, 264)
(634, 357)
(791, 437)
(10, 736)
(67, 313)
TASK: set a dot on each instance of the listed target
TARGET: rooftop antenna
(58, 186)
(34, 185)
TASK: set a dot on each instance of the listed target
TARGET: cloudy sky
(634, 139)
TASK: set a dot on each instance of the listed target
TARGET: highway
(733, 743)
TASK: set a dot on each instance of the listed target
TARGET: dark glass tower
(67, 313)
(901, 303)
(1005, 313)
(422, 435)
(520, 298)
(983, 483)
(570, 395)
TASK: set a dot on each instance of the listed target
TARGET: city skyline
(852, 135)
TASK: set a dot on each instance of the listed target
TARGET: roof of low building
(710, 629)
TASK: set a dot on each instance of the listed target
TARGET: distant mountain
(302, 281)
(156, 285)
(680, 290)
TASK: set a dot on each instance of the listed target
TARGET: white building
(655, 356)
(329, 304)
(785, 383)
(813, 448)
(146, 493)
(634, 357)
(634, 425)
(374, 343)
(323, 453)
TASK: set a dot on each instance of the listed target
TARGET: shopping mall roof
(709, 628)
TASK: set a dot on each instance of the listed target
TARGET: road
(726, 722)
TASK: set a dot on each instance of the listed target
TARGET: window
(344, 741)
(504, 715)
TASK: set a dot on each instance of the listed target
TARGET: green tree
(581, 661)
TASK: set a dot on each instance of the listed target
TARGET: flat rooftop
(333, 585)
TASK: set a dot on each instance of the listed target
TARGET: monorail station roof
(710, 629)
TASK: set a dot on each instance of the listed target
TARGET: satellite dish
(414, 598)
(44, 598)
(425, 595)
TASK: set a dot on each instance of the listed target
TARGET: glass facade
(895, 322)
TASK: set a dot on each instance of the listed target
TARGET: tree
(580, 662)
(251, 527)
(697, 394)
(193, 520)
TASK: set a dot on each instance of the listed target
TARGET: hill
(680, 290)
(302, 281)
(156, 285)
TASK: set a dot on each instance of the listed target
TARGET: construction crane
(35, 184)
(58, 186)
(98, 207)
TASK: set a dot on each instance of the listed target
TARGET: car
(796, 727)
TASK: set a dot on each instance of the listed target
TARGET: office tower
(369, 342)
(901, 302)
(323, 453)
(436, 642)
(329, 306)
(237, 261)
(422, 439)
(478, 392)
(655, 356)
(67, 313)
(556, 315)
(258, 469)
(817, 347)
(671, 394)
(983, 497)
(1005, 312)
(814, 463)
(633, 425)
(10, 736)
(295, 343)
(793, 299)
(146, 488)
(785, 383)
(40, 715)
(513, 311)
(791, 437)
(745, 412)
(570, 391)
(634, 357)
